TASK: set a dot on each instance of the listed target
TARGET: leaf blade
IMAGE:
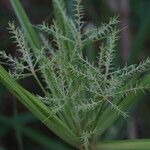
(38, 109)
(125, 145)
(26, 25)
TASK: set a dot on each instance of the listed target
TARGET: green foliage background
(20, 130)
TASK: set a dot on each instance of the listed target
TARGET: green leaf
(26, 25)
(40, 110)
(125, 145)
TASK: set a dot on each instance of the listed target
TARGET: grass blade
(124, 145)
(26, 25)
(38, 109)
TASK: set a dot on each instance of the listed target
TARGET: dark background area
(19, 129)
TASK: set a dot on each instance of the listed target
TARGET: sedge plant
(79, 99)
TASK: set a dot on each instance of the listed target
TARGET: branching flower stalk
(77, 91)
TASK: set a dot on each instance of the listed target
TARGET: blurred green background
(19, 129)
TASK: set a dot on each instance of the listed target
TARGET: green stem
(39, 83)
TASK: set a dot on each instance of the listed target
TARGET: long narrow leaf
(38, 108)
(125, 145)
(26, 25)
